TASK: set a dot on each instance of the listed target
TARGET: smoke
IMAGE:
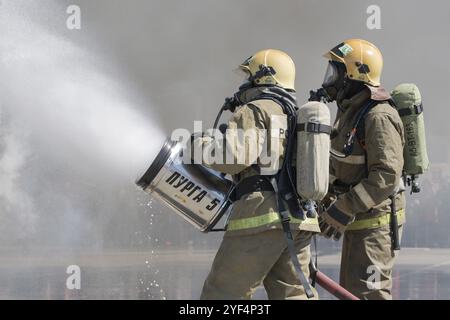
(17, 206)
(72, 140)
(81, 116)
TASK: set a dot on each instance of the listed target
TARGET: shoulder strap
(313, 127)
(360, 119)
(285, 223)
(361, 133)
(360, 128)
(360, 125)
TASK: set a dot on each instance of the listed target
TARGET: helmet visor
(331, 75)
(242, 73)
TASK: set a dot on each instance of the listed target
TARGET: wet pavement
(177, 274)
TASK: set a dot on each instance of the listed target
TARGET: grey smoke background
(84, 111)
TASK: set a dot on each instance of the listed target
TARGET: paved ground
(424, 257)
(176, 274)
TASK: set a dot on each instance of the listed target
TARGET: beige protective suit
(372, 172)
(254, 250)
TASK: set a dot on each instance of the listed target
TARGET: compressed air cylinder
(313, 150)
(409, 105)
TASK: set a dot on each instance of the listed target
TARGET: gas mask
(336, 86)
(244, 76)
(334, 80)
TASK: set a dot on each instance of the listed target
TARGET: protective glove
(333, 221)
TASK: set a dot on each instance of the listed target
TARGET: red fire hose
(329, 285)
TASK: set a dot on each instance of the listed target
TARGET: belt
(377, 222)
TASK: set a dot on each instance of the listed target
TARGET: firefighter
(254, 249)
(366, 164)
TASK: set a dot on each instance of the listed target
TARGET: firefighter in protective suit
(254, 250)
(365, 167)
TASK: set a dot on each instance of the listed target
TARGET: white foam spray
(73, 132)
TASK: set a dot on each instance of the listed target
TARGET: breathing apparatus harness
(358, 133)
(283, 183)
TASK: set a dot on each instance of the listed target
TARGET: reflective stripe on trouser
(245, 262)
(261, 220)
(367, 262)
(376, 222)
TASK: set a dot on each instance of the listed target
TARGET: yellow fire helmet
(270, 67)
(361, 58)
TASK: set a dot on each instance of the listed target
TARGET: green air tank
(408, 102)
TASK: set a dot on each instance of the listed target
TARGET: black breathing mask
(333, 83)
(334, 80)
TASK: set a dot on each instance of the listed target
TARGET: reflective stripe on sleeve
(364, 196)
